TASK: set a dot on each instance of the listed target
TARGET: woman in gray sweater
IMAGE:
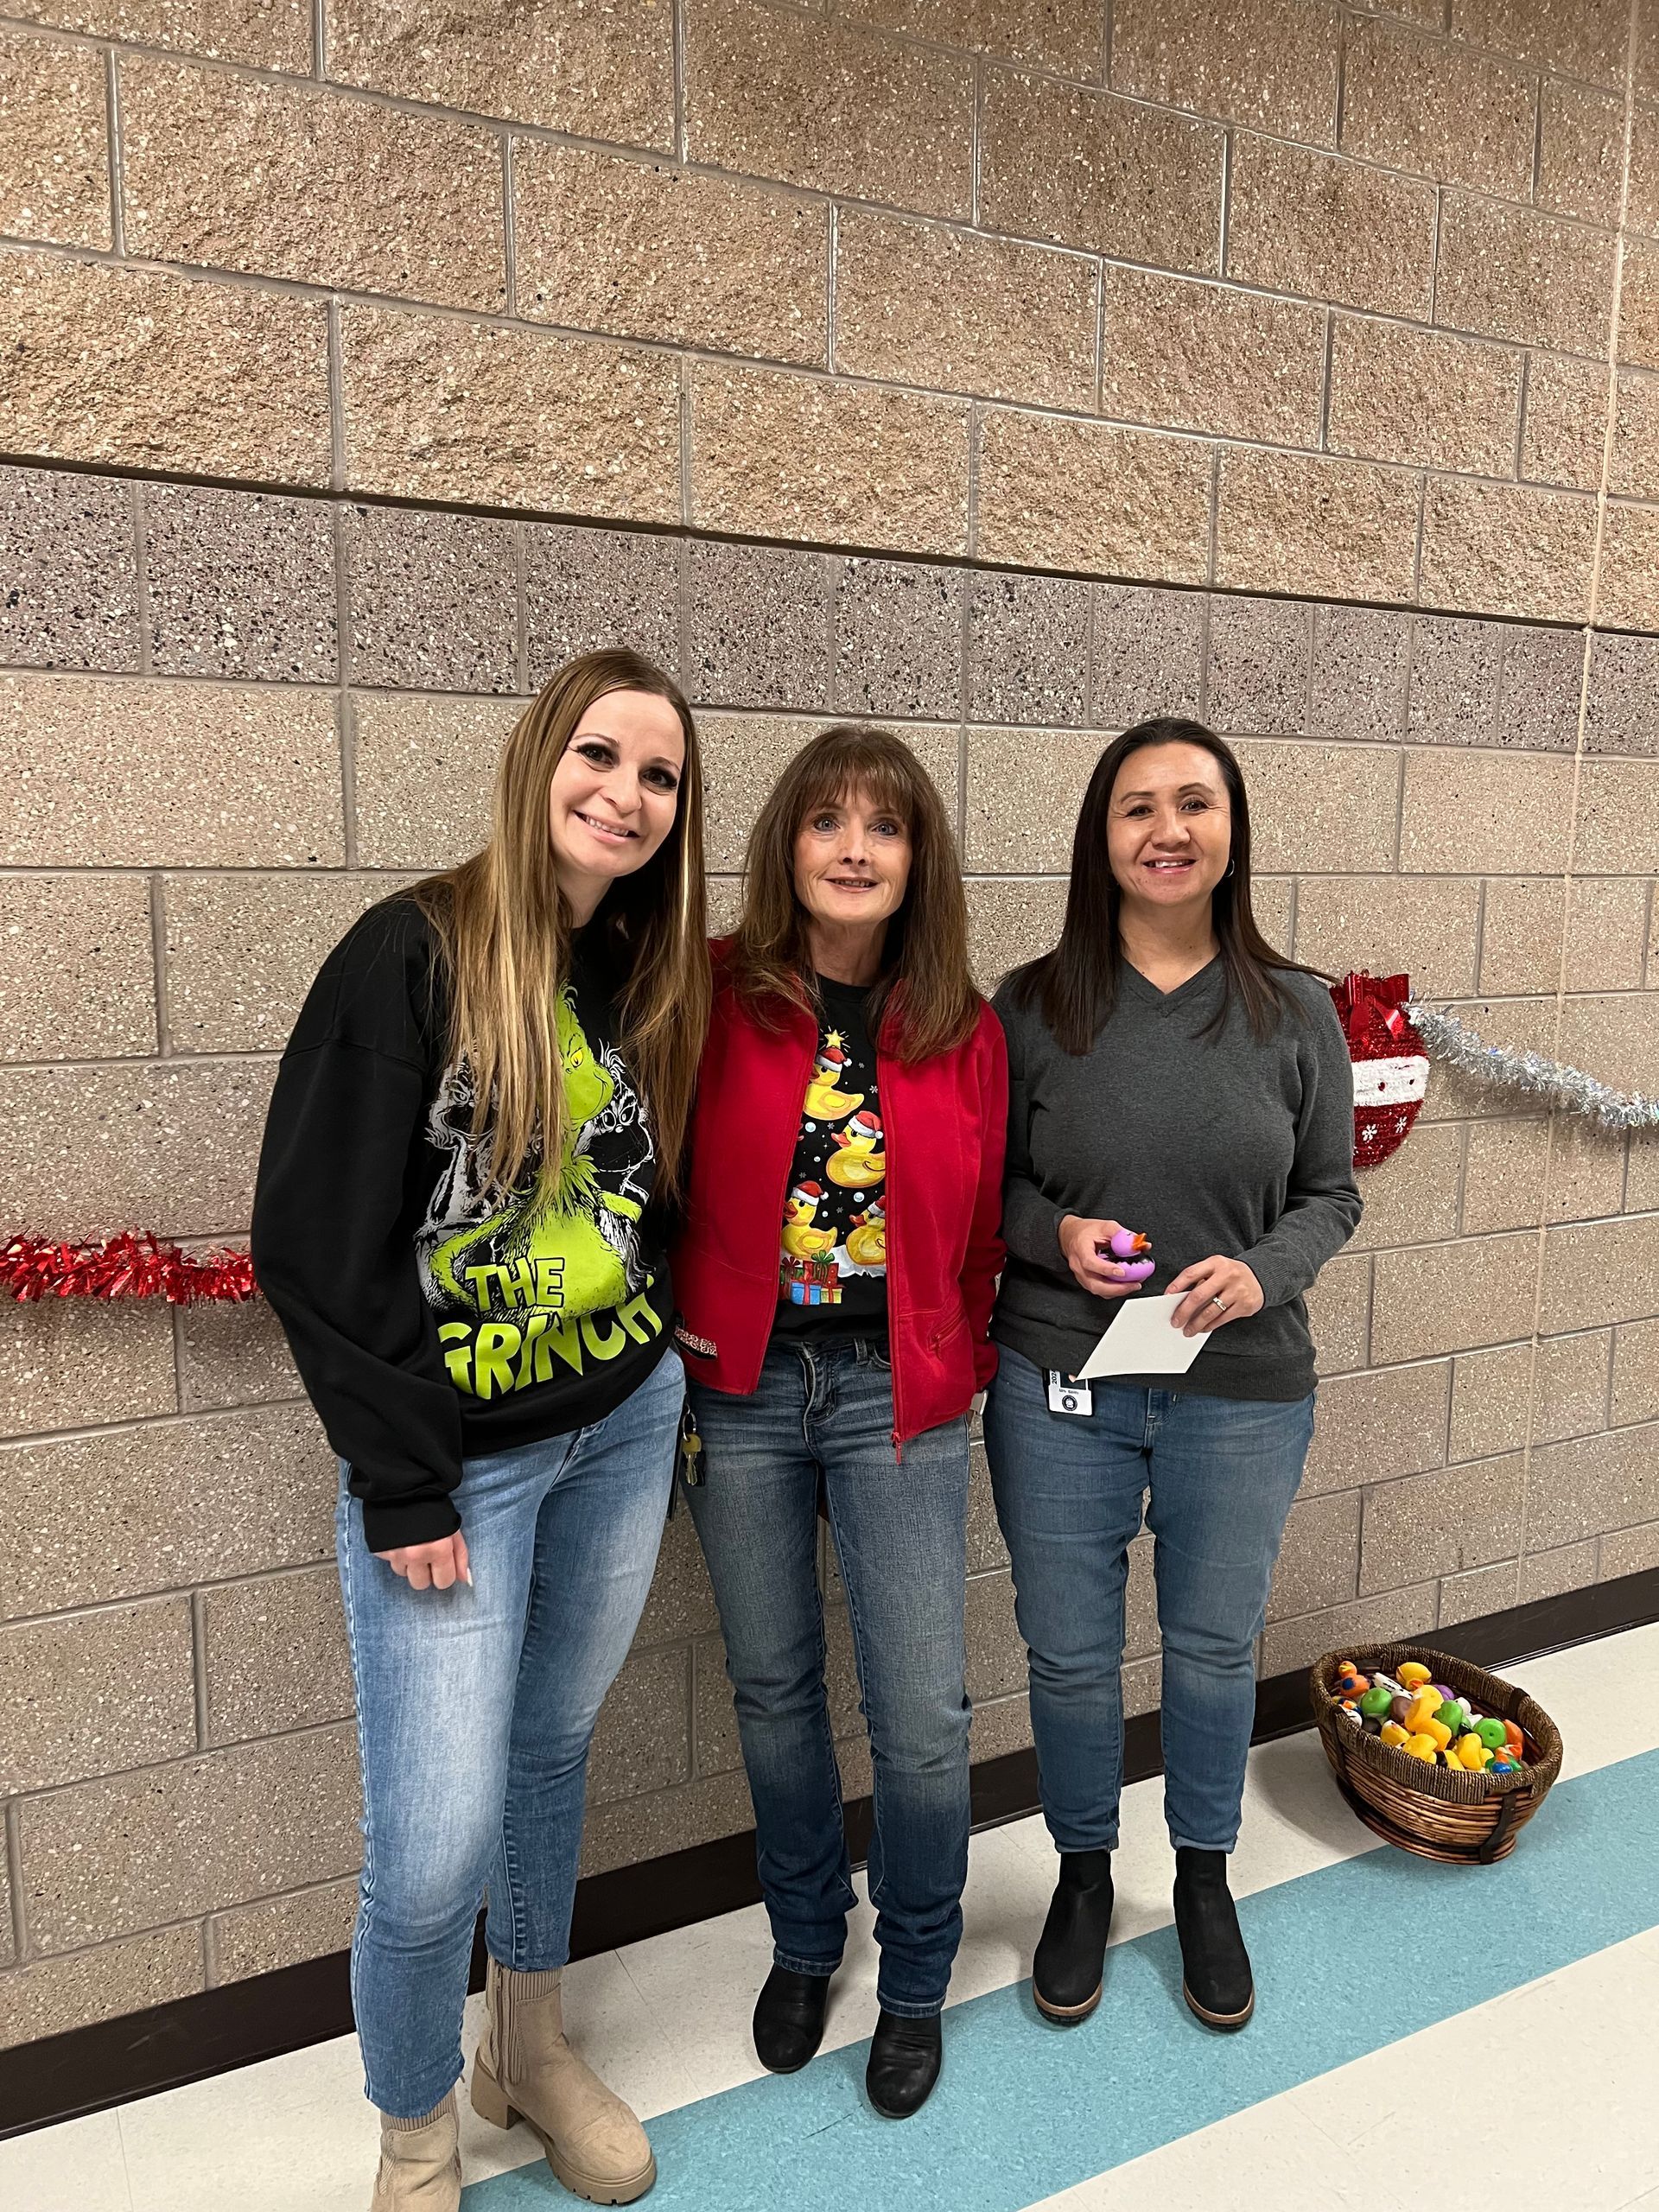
(1172, 1077)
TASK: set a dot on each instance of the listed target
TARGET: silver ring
(1221, 1302)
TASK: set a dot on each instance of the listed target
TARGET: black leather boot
(789, 2018)
(1216, 1978)
(904, 2058)
(1072, 1950)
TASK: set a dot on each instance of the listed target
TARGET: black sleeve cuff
(390, 1523)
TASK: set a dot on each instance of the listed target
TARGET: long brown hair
(1076, 983)
(503, 927)
(925, 1001)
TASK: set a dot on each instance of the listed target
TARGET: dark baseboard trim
(60, 2077)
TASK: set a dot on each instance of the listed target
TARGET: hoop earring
(1228, 871)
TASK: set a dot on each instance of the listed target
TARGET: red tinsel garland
(134, 1264)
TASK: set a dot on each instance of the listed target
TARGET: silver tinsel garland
(1453, 1041)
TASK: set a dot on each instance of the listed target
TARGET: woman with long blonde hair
(458, 1222)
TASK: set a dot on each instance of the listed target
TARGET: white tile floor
(667, 2023)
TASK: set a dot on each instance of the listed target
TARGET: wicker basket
(1438, 1812)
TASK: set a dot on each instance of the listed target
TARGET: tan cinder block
(1458, 1296)
(130, 1510)
(1304, 222)
(1635, 1373)
(1270, 902)
(125, 775)
(996, 1656)
(1642, 206)
(1427, 927)
(1634, 472)
(1203, 357)
(682, 1600)
(161, 371)
(1581, 151)
(1524, 1026)
(1593, 1484)
(1087, 495)
(602, 73)
(108, 1857)
(1502, 813)
(792, 456)
(986, 1550)
(1565, 421)
(1003, 1725)
(77, 967)
(652, 252)
(232, 1355)
(296, 181)
(1503, 1186)
(1504, 549)
(1269, 63)
(1638, 307)
(1064, 36)
(1547, 1574)
(1393, 1422)
(1586, 40)
(1339, 1312)
(242, 951)
(1598, 1272)
(1642, 1177)
(827, 105)
(1628, 593)
(1412, 1197)
(1318, 1559)
(1490, 1395)
(1483, 1590)
(1400, 394)
(1413, 102)
(1297, 1643)
(1316, 806)
(274, 1652)
(1618, 815)
(1024, 791)
(439, 408)
(950, 311)
(1570, 1393)
(91, 1693)
(54, 179)
(67, 1362)
(644, 1739)
(1628, 1551)
(54, 1995)
(743, 754)
(1057, 162)
(1617, 1035)
(424, 772)
(1010, 923)
(668, 1820)
(1587, 1171)
(1284, 523)
(1521, 946)
(1514, 274)
(268, 34)
(281, 1931)
(1441, 1523)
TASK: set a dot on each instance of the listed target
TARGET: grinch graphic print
(548, 1285)
(833, 1244)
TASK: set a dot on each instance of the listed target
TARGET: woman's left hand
(1217, 1291)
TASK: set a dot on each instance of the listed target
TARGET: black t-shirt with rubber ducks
(832, 1259)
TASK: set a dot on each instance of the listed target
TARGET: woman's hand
(1217, 1291)
(1083, 1243)
(431, 1566)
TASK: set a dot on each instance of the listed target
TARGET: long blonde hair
(504, 928)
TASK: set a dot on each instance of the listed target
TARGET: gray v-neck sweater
(1205, 1144)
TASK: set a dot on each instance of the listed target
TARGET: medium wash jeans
(900, 1532)
(1222, 1473)
(475, 1708)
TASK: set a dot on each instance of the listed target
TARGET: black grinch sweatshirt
(430, 1317)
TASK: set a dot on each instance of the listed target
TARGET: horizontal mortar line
(38, 1957)
(244, 1056)
(180, 1593)
(135, 1424)
(185, 1759)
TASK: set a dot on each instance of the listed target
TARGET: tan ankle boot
(420, 2167)
(526, 2070)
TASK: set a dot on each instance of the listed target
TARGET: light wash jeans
(1222, 1473)
(475, 1709)
(900, 1530)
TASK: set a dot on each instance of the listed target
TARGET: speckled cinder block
(1453, 696)
(1628, 593)
(1061, 163)
(285, 180)
(646, 251)
(1586, 40)
(1642, 205)
(67, 554)
(643, 1741)
(1393, 1419)
(77, 967)
(1590, 1485)
(1318, 1559)
(1613, 1032)
(1300, 222)
(948, 311)
(1635, 464)
(1148, 654)
(1441, 1523)
(1490, 1391)
(267, 33)
(1618, 816)
(156, 371)
(95, 1693)
(757, 619)
(827, 105)
(1413, 1201)
(1258, 664)
(1513, 274)
(1064, 36)
(437, 408)
(1635, 1373)
(1360, 655)
(1484, 813)
(1400, 394)
(1057, 493)
(743, 753)
(601, 71)
(425, 769)
(1581, 151)
(1362, 921)
(1206, 357)
(1023, 793)
(1505, 549)
(280, 1931)
(53, 1995)
(1570, 1394)
(70, 1362)
(996, 1657)
(1010, 921)
(1269, 63)
(123, 775)
(682, 1599)
(1622, 704)
(239, 583)
(1415, 103)
(1600, 1272)
(274, 1654)
(1287, 523)
(585, 590)
(433, 600)
(898, 646)
(1320, 807)
(1339, 1312)
(54, 178)
(1638, 311)
(1454, 1297)
(1029, 650)
(633, 1828)
(1566, 423)
(1539, 687)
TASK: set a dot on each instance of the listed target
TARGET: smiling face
(852, 862)
(1169, 833)
(614, 793)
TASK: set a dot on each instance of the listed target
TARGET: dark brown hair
(925, 1001)
(1076, 983)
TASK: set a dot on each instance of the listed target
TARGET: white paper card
(1141, 1342)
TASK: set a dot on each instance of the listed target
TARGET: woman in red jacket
(834, 1282)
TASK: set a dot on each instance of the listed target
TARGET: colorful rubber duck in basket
(1427, 1720)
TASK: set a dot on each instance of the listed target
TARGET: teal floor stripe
(1347, 1958)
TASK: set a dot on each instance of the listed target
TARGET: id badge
(1065, 1396)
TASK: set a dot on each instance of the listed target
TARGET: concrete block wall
(1006, 371)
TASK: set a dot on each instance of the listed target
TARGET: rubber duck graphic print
(832, 1232)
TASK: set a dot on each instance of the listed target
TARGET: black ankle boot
(789, 2018)
(1215, 1978)
(904, 2057)
(1067, 1971)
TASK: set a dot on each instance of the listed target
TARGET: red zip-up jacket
(944, 1121)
